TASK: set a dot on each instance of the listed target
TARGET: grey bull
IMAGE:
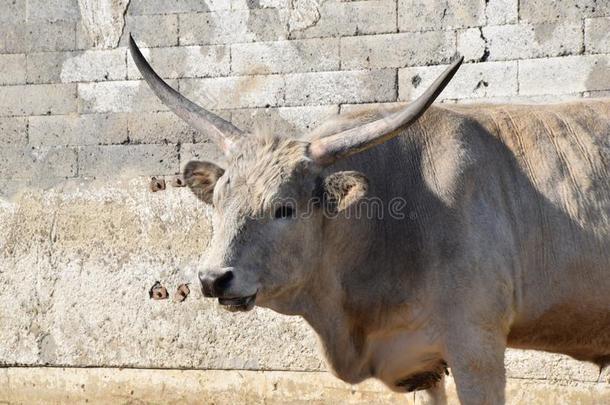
(490, 230)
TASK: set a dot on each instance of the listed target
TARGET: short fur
(505, 241)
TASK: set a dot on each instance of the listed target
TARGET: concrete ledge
(44, 385)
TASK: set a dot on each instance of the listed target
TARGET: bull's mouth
(238, 303)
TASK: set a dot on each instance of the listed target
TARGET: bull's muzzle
(215, 283)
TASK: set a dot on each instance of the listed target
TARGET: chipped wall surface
(82, 240)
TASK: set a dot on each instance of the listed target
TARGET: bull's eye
(285, 211)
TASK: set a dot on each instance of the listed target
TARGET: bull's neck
(341, 339)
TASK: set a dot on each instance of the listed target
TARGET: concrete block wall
(81, 238)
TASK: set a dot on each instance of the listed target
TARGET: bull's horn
(327, 150)
(220, 131)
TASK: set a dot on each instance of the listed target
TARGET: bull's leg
(432, 396)
(477, 364)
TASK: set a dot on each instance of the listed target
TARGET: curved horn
(219, 130)
(328, 150)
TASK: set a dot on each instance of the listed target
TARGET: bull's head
(263, 248)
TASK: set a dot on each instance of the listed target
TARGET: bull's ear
(201, 177)
(342, 189)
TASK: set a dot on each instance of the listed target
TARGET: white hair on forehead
(261, 163)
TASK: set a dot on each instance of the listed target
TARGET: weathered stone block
(94, 66)
(508, 42)
(471, 81)
(285, 56)
(37, 99)
(45, 67)
(225, 27)
(53, 10)
(13, 37)
(425, 15)
(553, 10)
(185, 61)
(235, 92)
(471, 45)
(397, 50)
(502, 11)
(251, 4)
(119, 96)
(89, 129)
(28, 162)
(139, 7)
(291, 121)
(43, 36)
(597, 35)
(13, 11)
(102, 23)
(13, 131)
(340, 87)
(339, 18)
(566, 75)
(159, 127)
(151, 30)
(12, 69)
(127, 160)
(83, 66)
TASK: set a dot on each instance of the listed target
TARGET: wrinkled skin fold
(503, 241)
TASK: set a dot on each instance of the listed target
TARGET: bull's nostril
(222, 282)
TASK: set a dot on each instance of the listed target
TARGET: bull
(503, 241)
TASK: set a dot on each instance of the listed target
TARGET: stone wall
(82, 239)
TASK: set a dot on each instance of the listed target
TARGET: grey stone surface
(13, 37)
(235, 91)
(102, 23)
(526, 41)
(502, 11)
(424, 15)
(13, 131)
(564, 75)
(340, 87)
(471, 44)
(285, 56)
(139, 7)
(13, 11)
(552, 10)
(26, 162)
(158, 127)
(291, 121)
(84, 66)
(119, 96)
(597, 35)
(37, 99)
(250, 4)
(43, 36)
(52, 10)
(88, 129)
(185, 61)
(397, 50)
(151, 30)
(37, 36)
(12, 69)
(92, 281)
(477, 80)
(225, 27)
(334, 18)
(129, 160)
